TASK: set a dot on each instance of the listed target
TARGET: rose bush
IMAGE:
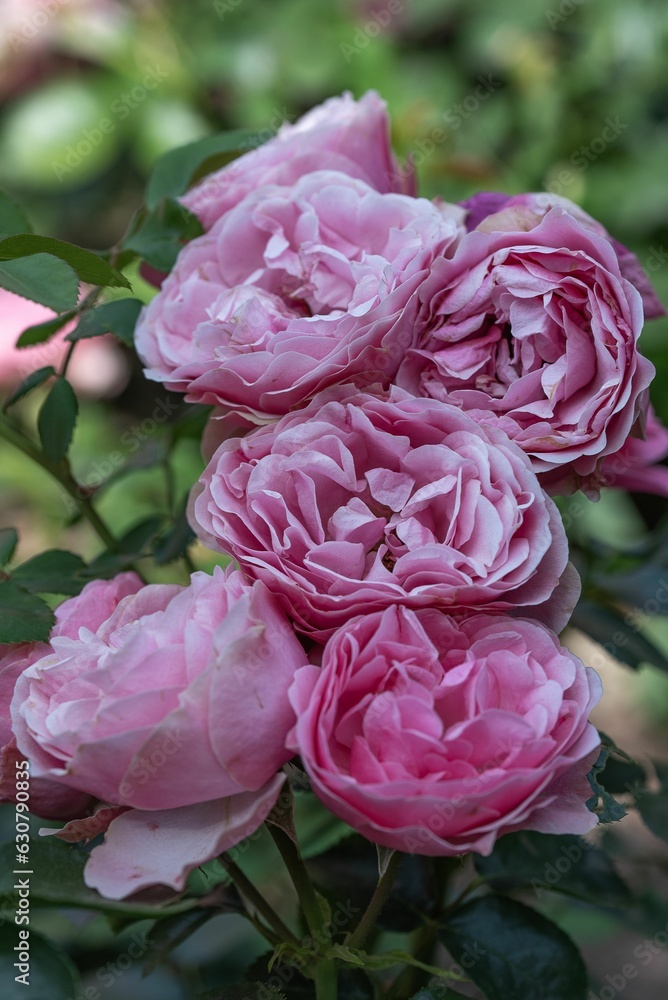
(295, 288)
(533, 326)
(166, 697)
(357, 502)
(436, 736)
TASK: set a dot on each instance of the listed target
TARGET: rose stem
(254, 896)
(325, 971)
(61, 472)
(357, 937)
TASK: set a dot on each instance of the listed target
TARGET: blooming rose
(434, 736)
(97, 368)
(357, 502)
(173, 708)
(482, 212)
(532, 325)
(351, 137)
(294, 289)
(97, 602)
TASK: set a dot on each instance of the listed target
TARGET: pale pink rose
(47, 798)
(97, 369)
(351, 137)
(295, 289)
(434, 736)
(357, 502)
(97, 601)
(532, 326)
(174, 706)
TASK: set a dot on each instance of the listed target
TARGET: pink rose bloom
(351, 137)
(97, 601)
(483, 213)
(359, 502)
(532, 326)
(173, 708)
(435, 737)
(98, 367)
(296, 288)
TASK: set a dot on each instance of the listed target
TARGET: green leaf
(40, 332)
(514, 953)
(52, 572)
(161, 234)
(653, 808)
(547, 862)
(51, 973)
(119, 317)
(176, 542)
(13, 219)
(437, 991)
(317, 829)
(89, 266)
(607, 808)
(168, 934)
(131, 546)
(621, 639)
(57, 419)
(29, 383)
(23, 617)
(9, 539)
(41, 278)
(173, 172)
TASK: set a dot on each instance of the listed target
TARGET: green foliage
(557, 863)
(175, 170)
(41, 332)
(13, 219)
(29, 383)
(23, 616)
(42, 278)
(9, 538)
(87, 265)
(511, 952)
(51, 973)
(57, 419)
(119, 318)
(158, 235)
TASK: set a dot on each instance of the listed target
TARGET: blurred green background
(525, 95)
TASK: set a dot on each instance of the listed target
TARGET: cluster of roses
(398, 385)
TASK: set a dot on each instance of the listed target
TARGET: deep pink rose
(434, 736)
(174, 705)
(357, 502)
(295, 289)
(351, 137)
(537, 332)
